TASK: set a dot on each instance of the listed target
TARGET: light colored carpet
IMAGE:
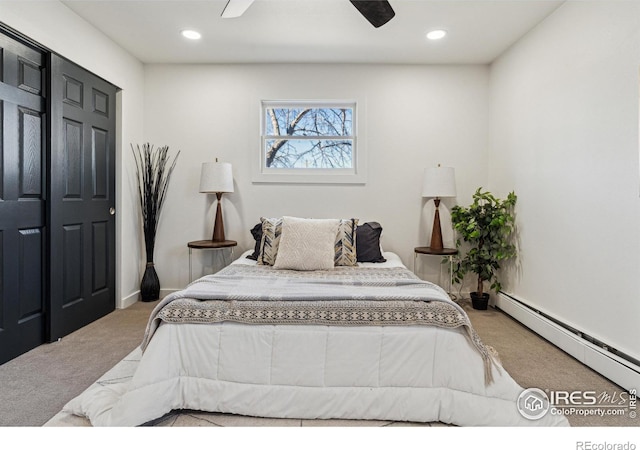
(35, 386)
(534, 362)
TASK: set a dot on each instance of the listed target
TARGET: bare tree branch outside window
(307, 137)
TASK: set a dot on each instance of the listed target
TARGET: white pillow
(307, 244)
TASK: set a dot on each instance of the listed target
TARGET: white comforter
(400, 373)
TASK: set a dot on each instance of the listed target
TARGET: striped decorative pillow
(271, 231)
(345, 245)
(345, 248)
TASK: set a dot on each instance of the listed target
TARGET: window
(308, 136)
(310, 141)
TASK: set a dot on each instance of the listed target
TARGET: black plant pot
(480, 301)
(150, 284)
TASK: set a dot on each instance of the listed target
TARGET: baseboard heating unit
(618, 367)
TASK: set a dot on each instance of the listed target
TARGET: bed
(359, 341)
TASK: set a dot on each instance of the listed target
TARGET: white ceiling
(308, 31)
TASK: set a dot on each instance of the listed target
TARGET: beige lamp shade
(439, 182)
(216, 177)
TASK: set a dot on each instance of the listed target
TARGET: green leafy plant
(486, 227)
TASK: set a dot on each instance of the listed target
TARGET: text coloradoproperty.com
(581, 411)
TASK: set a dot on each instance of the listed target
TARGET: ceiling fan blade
(235, 8)
(378, 12)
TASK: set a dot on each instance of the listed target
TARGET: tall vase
(150, 284)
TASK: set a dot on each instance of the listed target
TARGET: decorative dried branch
(153, 177)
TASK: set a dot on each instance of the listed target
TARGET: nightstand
(210, 245)
(448, 252)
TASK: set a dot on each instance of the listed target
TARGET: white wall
(56, 27)
(416, 117)
(564, 136)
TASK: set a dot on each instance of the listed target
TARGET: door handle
(112, 211)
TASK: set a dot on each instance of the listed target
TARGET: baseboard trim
(129, 300)
(617, 367)
(134, 297)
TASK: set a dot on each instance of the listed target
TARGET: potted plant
(486, 227)
(153, 176)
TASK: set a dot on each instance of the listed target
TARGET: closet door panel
(22, 198)
(82, 195)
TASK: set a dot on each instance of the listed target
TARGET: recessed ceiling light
(191, 34)
(436, 34)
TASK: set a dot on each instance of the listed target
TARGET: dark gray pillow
(256, 232)
(368, 243)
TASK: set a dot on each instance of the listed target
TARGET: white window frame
(354, 175)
